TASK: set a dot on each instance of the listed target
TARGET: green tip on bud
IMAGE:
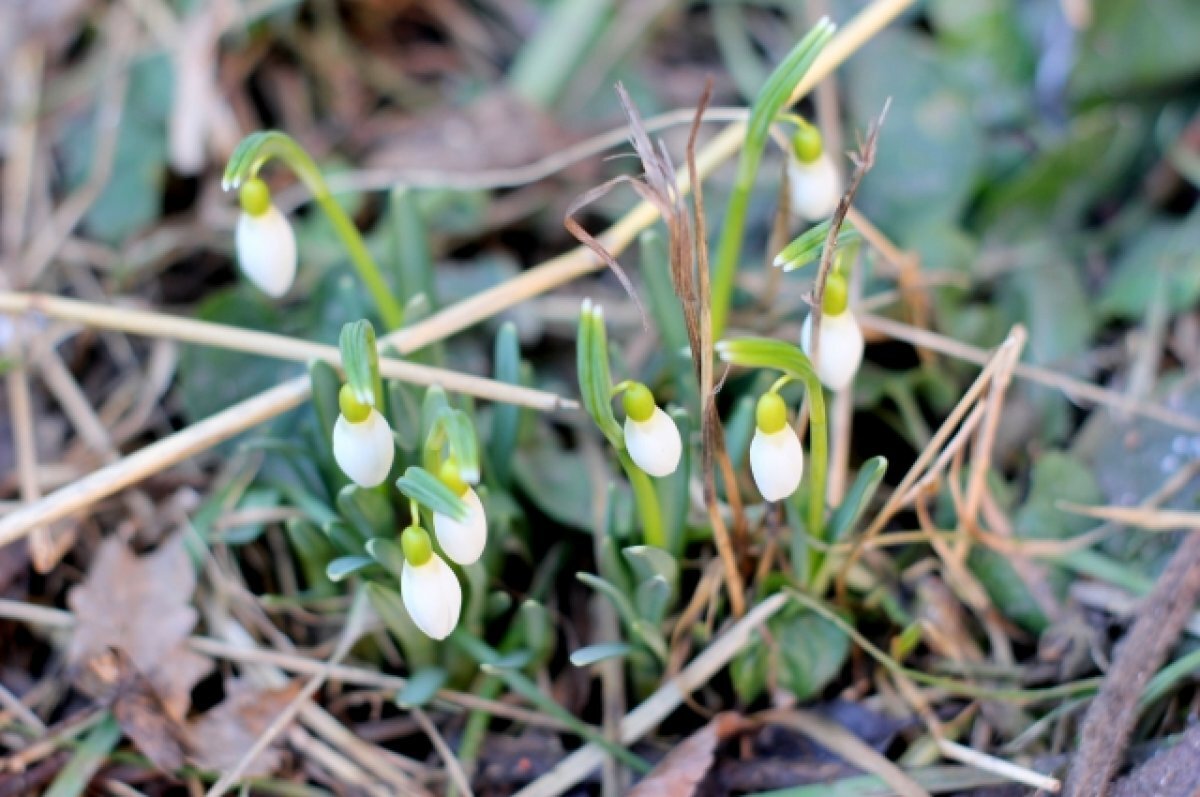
(837, 295)
(771, 413)
(255, 197)
(417, 548)
(806, 143)
(639, 402)
(451, 476)
(352, 409)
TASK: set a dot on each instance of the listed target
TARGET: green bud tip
(771, 413)
(451, 476)
(255, 197)
(639, 402)
(837, 295)
(806, 143)
(352, 409)
(417, 548)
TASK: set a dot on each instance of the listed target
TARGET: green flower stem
(818, 441)
(646, 499)
(767, 105)
(257, 149)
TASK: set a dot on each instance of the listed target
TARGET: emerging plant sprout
(431, 592)
(776, 456)
(812, 175)
(651, 437)
(841, 339)
(266, 244)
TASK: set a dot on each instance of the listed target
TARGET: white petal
(463, 541)
(364, 450)
(266, 250)
(432, 595)
(654, 444)
(777, 463)
(841, 348)
(816, 188)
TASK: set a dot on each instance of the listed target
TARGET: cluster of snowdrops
(363, 444)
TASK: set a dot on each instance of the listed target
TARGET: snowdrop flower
(266, 245)
(841, 341)
(362, 441)
(462, 540)
(651, 437)
(429, 588)
(812, 177)
(776, 457)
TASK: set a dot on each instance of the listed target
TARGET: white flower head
(813, 177)
(841, 348)
(266, 244)
(429, 588)
(462, 540)
(776, 456)
(651, 437)
(362, 441)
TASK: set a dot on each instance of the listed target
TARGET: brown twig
(1109, 721)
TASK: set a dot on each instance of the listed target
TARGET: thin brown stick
(1075, 389)
(268, 344)
(1110, 719)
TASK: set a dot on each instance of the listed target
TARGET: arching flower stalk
(840, 345)
(776, 456)
(266, 245)
(428, 586)
(813, 181)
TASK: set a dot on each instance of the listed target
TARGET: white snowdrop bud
(429, 588)
(266, 245)
(841, 349)
(462, 540)
(362, 441)
(651, 437)
(776, 456)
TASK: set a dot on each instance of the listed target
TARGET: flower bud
(815, 184)
(776, 456)
(462, 540)
(266, 245)
(429, 588)
(651, 437)
(364, 450)
(841, 350)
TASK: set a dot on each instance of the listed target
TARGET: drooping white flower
(266, 245)
(654, 444)
(463, 540)
(776, 462)
(364, 450)
(815, 187)
(841, 348)
(432, 595)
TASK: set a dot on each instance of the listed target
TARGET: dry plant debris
(219, 738)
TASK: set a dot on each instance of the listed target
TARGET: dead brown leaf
(139, 605)
(220, 738)
(681, 771)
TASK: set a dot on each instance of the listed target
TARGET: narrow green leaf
(314, 550)
(537, 630)
(648, 562)
(422, 687)
(368, 510)
(92, 753)
(857, 498)
(429, 491)
(808, 246)
(674, 497)
(360, 359)
(665, 307)
(594, 654)
(345, 566)
(414, 261)
(325, 385)
(506, 418)
(767, 353)
(462, 442)
(650, 635)
(653, 599)
(388, 553)
(345, 539)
